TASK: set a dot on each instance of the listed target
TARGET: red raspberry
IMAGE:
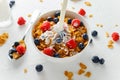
(115, 36)
(21, 21)
(48, 51)
(45, 26)
(71, 44)
(82, 12)
(75, 23)
(20, 49)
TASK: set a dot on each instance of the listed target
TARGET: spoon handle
(34, 17)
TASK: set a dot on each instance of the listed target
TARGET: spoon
(19, 48)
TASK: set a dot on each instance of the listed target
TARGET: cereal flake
(87, 3)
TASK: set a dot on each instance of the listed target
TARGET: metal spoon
(14, 53)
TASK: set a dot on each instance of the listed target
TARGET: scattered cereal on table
(3, 38)
(41, 1)
(91, 16)
(110, 46)
(25, 70)
(97, 25)
(110, 42)
(68, 74)
(107, 34)
(81, 71)
(87, 3)
(83, 66)
(88, 74)
(29, 15)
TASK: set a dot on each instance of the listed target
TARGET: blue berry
(56, 20)
(57, 13)
(11, 51)
(39, 68)
(13, 2)
(49, 18)
(37, 41)
(81, 45)
(81, 24)
(95, 59)
(85, 36)
(59, 40)
(16, 44)
(69, 21)
(94, 33)
(102, 61)
(11, 5)
(56, 55)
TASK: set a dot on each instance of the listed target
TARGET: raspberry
(21, 21)
(20, 49)
(45, 26)
(48, 51)
(71, 44)
(82, 12)
(115, 36)
(75, 23)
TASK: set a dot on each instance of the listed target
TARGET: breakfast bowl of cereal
(67, 45)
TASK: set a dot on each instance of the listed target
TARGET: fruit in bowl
(71, 41)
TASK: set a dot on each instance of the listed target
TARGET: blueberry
(59, 40)
(94, 33)
(16, 44)
(13, 2)
(11, 5)
(81, 24)
(39, 68)
(85, 36)
(69, 21)
(11, 51)
(49, 18)
(95, 59)
(56, 20)
(56, 55)
(102, 61)
(57, 13)
(37, 41)
(81, 45)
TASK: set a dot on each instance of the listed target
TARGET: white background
(104, 12)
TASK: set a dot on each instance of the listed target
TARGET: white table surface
(104, 12)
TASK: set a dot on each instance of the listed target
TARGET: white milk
(4, 13)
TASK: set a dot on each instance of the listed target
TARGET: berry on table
(37, 41)
(57, 13)
(115, 36)
(21, 21)
(82, 12)
(101, 61)
(94, 33)
(11, 3)
(39, 68)
(45, 26)
(95, 59)
(71, 44)
(75, 23)
(48, 51)
(20, 49)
